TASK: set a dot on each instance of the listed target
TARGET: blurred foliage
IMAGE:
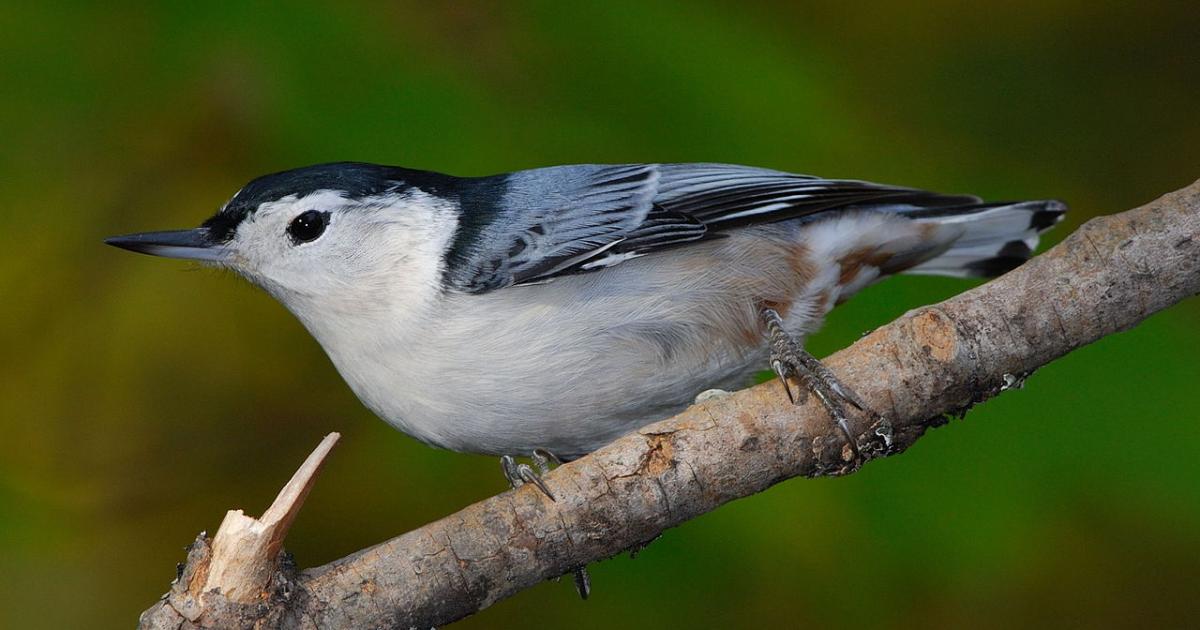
(138, 401)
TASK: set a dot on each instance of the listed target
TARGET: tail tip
(1047, 216)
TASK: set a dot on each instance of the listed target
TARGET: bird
(543, 313)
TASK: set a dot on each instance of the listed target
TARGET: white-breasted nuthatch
(554, 309)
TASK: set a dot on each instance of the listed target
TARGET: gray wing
(573, 219)
(539, 223)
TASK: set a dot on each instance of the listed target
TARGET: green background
(142, 398)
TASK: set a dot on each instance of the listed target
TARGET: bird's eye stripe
(307, 226)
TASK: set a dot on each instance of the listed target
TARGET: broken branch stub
(245, 549)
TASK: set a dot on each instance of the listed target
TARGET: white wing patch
(610, 260)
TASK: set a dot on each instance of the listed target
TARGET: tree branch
(932, 362)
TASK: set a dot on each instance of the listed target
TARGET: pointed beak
(185, 244)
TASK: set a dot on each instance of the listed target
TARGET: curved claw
(777, 367)
(838, 413)
(844, 426)
(508, 466)
(583, 582)
(528, 476)
(845, 393)
(543, 458)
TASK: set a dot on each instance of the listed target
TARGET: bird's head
(332, 237)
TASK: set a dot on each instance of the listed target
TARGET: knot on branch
(936, 334)
(660, 454)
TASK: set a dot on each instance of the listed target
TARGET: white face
(324, 253)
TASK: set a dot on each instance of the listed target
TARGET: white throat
(369, 323)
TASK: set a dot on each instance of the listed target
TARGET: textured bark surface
(1106, 277)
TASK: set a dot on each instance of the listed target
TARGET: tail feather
(996, 237)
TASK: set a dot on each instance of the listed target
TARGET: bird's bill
(185, 244)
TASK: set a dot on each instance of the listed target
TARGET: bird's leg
(790, 359)
(520, 474)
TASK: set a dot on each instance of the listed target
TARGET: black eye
(307, 226)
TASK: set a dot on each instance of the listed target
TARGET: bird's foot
(519, 474)
(789, 359)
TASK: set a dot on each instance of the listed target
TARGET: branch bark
(931, 363)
